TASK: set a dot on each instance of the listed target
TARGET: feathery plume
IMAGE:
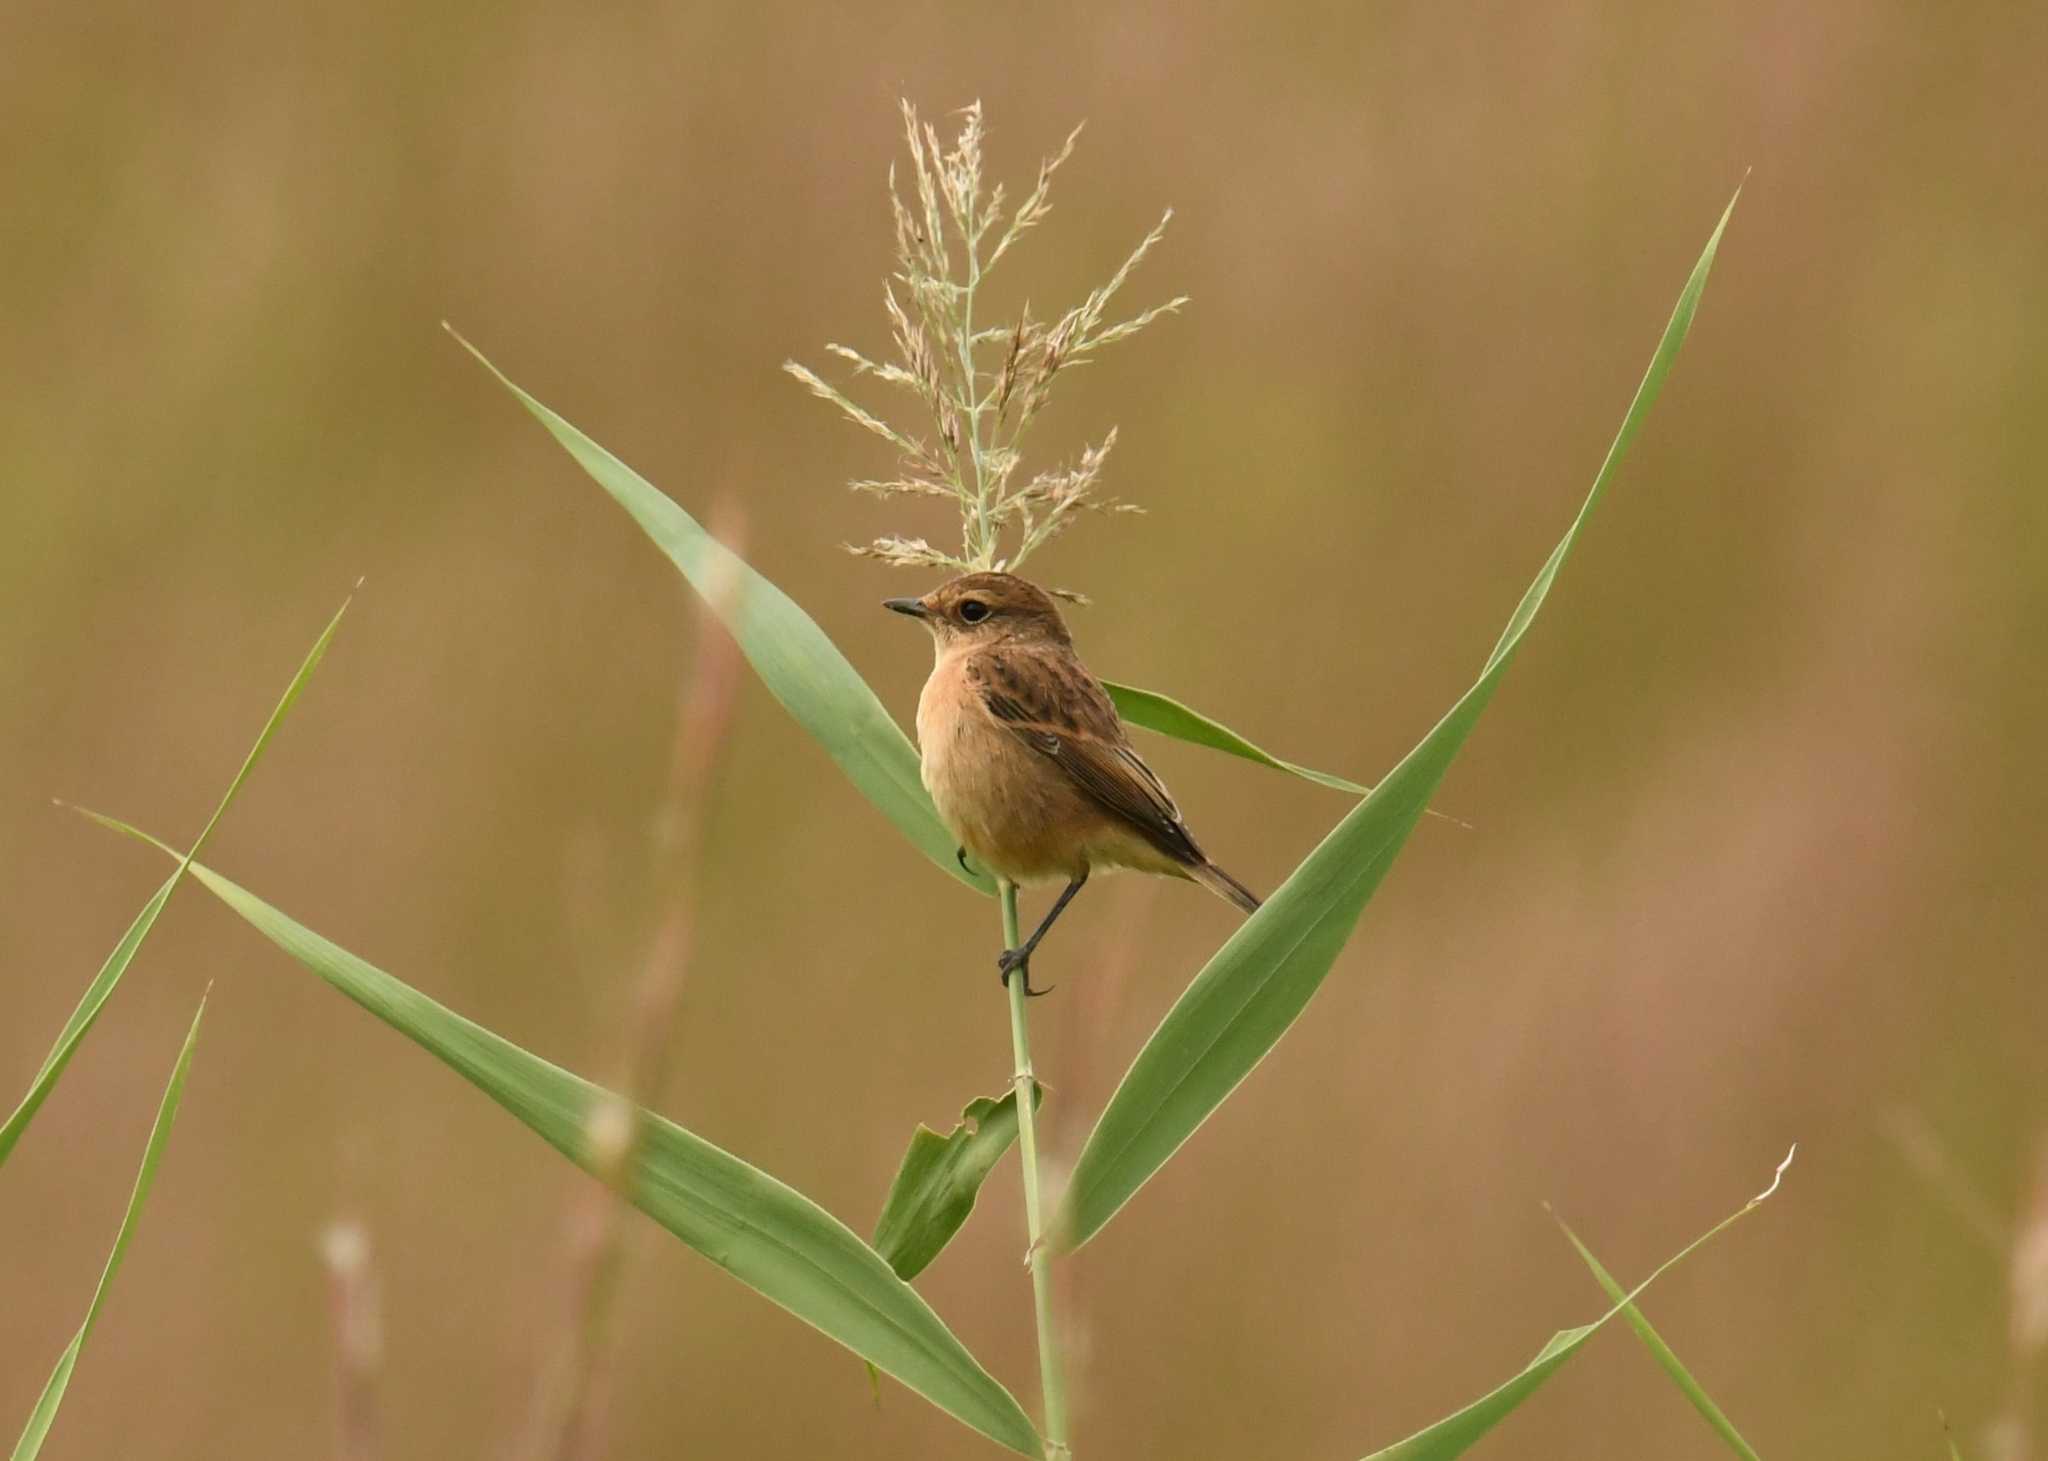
(980, 386)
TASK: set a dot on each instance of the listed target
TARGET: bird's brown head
(983, 608)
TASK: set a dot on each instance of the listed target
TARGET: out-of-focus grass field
(1755, 822)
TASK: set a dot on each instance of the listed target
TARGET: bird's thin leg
(1012, 961)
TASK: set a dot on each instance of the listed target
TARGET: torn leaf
(935, 1188)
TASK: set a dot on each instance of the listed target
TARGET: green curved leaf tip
(1247, 996)
(1156, 712)
(795, 659)
(104, 983)
(767, 1235)
(1458, 1432)
(45, 1413)
(1665, 1357)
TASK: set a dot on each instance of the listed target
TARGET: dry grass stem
(1929, 1156)
(979, 387)
(570, 1408)
(2028, 1313)
(358, 1338)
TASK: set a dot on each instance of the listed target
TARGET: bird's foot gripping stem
(1018, 961)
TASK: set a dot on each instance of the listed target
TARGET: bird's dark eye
(972, 611)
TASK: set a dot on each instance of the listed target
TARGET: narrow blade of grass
(935, 1188)
(1456, 1433)
(1156, 712)
(102, 987)
(767, 1235)
(1248, 995)
(795, 659)
(45, 1413)
(1661, 1352)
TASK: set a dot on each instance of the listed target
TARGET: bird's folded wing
(1057, 709)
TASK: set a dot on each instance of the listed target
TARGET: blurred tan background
(1756, 820)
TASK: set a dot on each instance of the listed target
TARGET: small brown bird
(1025, 757)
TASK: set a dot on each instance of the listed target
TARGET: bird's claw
(1018, 961)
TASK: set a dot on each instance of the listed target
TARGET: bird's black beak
(912, 607)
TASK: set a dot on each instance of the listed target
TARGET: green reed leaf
(1246, 997)
(935, 1188)
(767, 1235)
(801, 667)
(1156, 712)
(1662, 1352)
(1456, 1433)
(103, 984)
(45, 1413)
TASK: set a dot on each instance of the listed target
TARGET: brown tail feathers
(1223, 885)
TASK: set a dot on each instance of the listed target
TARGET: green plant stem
(971, 400)
(1051, 1380)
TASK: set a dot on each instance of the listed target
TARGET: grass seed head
(978, 387)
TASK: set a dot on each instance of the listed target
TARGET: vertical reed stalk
(1052, 1381)
(358, 1339)
(569, 1416)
